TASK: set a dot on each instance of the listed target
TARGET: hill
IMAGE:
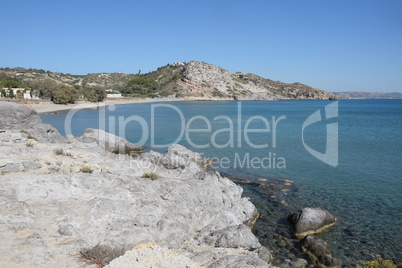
(194, 79)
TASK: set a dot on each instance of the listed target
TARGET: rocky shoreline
(70, 201)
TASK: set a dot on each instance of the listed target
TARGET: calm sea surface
(363, 190)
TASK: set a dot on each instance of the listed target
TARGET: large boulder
(27, 120)
(310, 221)
(46, 133)
(15, 116)
(109, 142)
(318, 251)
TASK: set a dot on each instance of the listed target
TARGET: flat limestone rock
(151, 255)
(52, 208)
(31, 165)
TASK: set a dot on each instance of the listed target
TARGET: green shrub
(64, 94)
(217, 93)
(164, 93)
(94, 93)
(380, 263)
(150, 175)
(86, 169)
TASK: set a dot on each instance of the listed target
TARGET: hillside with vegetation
(196, 80)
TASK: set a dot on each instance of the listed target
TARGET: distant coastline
(368, 95)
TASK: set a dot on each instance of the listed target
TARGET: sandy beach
(47, 106)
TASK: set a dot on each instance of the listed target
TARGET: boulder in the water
(310, 221)
(318, 251)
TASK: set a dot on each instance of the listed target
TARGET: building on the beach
(16, 91)
(27, 95)
(118, 95)
(110, 93)
(20, 93)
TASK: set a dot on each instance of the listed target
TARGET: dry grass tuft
(30, 144)
(150, 175)
(58, 151)
(101, 255)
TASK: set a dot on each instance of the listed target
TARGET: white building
(15, 91)
(27, 95)
(113, 96)
(178, 63)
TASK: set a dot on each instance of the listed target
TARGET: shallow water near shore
(363, 190)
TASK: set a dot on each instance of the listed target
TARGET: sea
(343, 156)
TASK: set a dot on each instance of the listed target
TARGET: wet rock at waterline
(318, 251)
(310, 221)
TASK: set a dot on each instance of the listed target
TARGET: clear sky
(333, 45)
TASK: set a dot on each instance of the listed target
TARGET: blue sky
(333, 45)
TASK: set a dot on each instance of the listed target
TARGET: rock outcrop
(310, 221)
(58, 198)
(210, 81)
(27, 120)
(318, 251)
(14, 116)
(45, 133)
(109, 142)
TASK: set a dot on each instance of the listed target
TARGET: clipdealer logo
(238, 132)
(330, 156)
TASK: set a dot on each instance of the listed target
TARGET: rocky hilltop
(202, 78)
(70, 201)
(197, 80)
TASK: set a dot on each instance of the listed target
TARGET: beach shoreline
(49, 107)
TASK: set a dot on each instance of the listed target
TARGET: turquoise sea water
(363, 190)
